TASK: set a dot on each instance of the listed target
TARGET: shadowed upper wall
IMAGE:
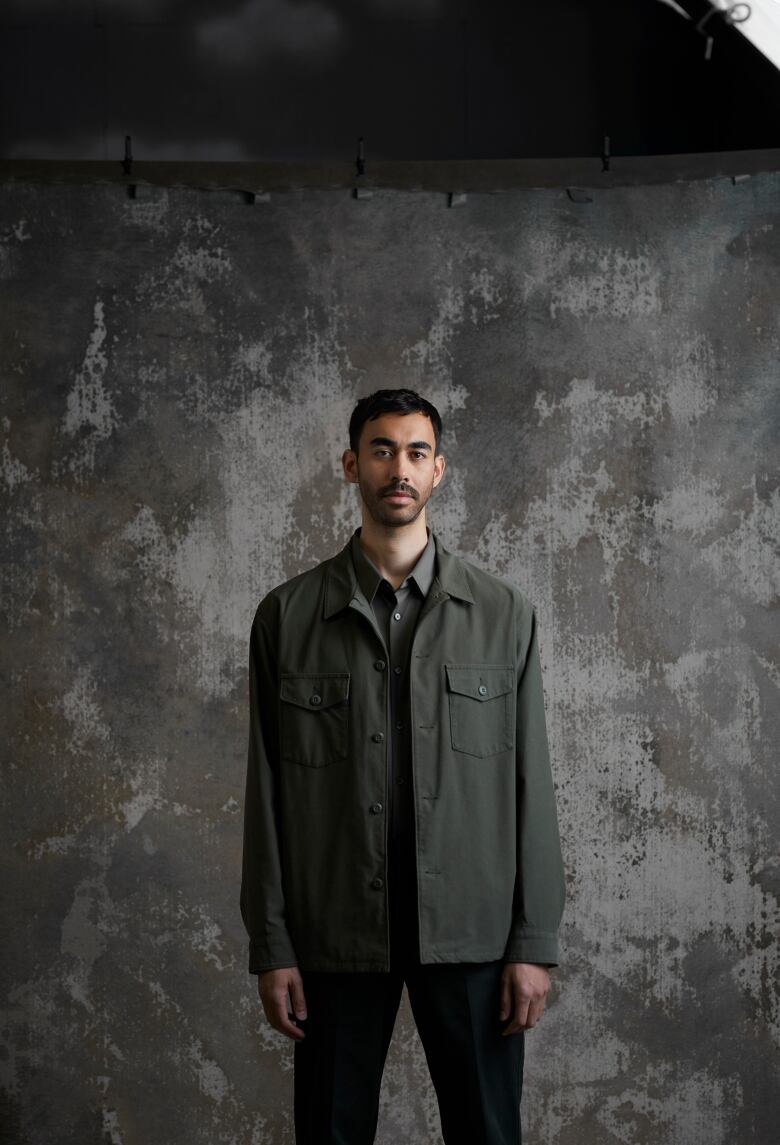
(178, 374)
(291, 80)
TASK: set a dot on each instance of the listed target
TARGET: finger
(277, 1014)
(514, 1026)
(286, 1022)
(534, 1015)
(506, 999)
(535, 1011)
(298, 999)
(520, 1015)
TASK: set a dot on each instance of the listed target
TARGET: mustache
(400, 489)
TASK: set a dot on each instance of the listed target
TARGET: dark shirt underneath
(396, 612)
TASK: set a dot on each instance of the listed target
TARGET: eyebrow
(390, 441)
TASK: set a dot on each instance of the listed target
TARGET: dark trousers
(476, 1073)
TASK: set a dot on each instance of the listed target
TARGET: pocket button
(315, 699)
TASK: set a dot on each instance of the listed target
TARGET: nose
(399, 468)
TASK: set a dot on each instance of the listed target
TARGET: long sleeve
(540, 890)
(262, 896)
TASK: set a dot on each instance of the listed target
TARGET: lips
(398, 496)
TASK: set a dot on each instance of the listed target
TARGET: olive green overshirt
(490, 880)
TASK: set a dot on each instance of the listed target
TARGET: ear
(349, 465)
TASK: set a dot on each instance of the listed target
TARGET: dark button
(399, 726)
(396, 616)
(397, 670)
(376, 808)
(482, 690)
(315, 699)
(379, 665)
(377, 883)
(400, 780)
(377, 737)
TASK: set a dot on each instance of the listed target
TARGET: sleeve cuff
(534, 948)
(262, 958)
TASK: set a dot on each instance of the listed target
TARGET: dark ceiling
(419, 79)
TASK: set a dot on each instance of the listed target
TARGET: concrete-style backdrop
(178, 372)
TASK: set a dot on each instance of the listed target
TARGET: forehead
(401, 427)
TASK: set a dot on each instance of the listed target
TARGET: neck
(394, 551)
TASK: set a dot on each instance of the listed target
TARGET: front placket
(436, 595)
(361, 606)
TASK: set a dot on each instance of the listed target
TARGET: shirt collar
(452, 578)
(370, 578)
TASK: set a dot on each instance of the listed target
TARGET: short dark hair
(392, 401)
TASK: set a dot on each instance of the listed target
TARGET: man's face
(395, 467)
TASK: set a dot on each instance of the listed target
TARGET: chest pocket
(314, 717)
(482, 709)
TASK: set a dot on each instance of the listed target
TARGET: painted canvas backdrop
(178, 373)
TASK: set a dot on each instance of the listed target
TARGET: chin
(404, 518)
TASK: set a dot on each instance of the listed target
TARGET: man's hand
(272, 986)
(524, 987)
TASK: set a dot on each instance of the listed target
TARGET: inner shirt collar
(370, 578)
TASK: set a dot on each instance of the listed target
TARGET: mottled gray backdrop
(178, 372)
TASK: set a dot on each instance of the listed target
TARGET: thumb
(298, 1000)
(506, 999)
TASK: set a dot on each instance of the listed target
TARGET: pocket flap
(315, 691)
(480, 681)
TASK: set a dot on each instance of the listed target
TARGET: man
(400, 821)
